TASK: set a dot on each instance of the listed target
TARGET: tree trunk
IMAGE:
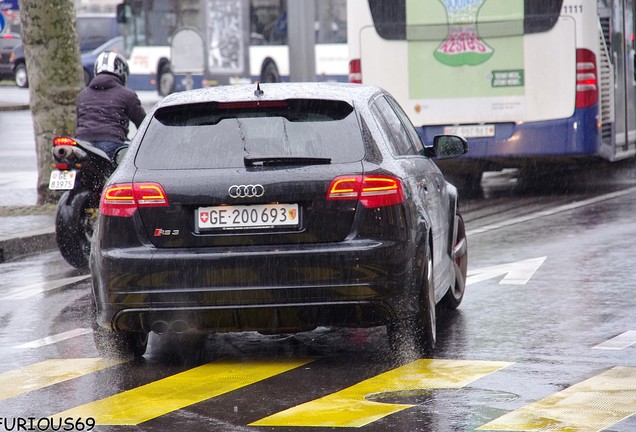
(54, 68)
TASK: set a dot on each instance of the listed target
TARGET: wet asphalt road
(542, 341)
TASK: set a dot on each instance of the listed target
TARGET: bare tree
(52, 57)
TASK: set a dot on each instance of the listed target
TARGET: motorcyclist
(106, 106)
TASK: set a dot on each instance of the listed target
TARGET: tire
(459, 256)
(270, 74)
(118, 344)
(87, 77)
(468, 184)
(420, 332)
(165, 81)
(74, 223)
(21, 78)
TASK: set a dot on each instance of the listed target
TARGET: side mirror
(447, 147)
(119, 155)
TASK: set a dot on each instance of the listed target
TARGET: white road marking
(25, 292)
(515, 273)
(49, 340)
(619, 342)
(550, 212)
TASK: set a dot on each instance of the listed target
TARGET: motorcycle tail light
(60, 166)
(63, 140)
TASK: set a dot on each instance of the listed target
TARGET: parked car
(88, 61)
(277, 208)
(8, 41)
(93, 31)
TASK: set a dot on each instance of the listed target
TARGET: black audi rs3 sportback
(277, 208)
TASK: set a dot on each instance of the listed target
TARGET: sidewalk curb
(33, 242)
(14, 107)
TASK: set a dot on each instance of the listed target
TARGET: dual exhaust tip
(177, 326)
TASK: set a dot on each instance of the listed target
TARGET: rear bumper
(6, 69)
(354, 283)
(515, 143)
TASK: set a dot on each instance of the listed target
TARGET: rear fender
(70, 204)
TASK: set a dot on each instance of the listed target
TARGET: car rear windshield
(222, 135)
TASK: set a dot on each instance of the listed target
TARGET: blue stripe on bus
(149, 82)
(577, 135)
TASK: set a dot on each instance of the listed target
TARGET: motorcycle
(80, 170)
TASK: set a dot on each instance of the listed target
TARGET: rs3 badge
(159, 232)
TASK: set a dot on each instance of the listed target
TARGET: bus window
(268, 22)
(539, 16)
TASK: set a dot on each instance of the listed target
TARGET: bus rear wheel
(270, 74)
(165, 81)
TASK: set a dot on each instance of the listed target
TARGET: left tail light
(372, 191)
(124, 199)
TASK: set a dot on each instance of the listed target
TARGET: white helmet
(112, 63)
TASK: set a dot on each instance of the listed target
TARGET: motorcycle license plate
(62, 180)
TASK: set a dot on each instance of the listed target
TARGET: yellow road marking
(152, 400)
(47, 373)
(350, 408)
(591, 405)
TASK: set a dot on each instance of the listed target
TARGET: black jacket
(104, 109)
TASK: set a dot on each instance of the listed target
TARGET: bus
(244, 41)
(529, 83)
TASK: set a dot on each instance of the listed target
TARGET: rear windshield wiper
(285, 160)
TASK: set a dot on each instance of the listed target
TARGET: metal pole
(302, 40)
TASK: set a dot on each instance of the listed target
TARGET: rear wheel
(468, 183)
(87, 77)
(459, 256)
(74, 223)
(21, 78)
(270, 73)
(419, 332)
(166, 81)
(118, 344)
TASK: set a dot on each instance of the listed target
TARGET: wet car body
(8, 41)
(173, 251)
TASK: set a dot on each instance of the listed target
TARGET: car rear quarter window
(221, 135)
(394, 131)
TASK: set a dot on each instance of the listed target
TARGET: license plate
(471, 131)
(248, 216)
(62, 180)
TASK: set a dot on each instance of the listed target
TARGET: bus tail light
(371, 190)
(125, 198)
(586, 79)
(355, 71)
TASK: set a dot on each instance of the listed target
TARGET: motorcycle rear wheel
(74, 223)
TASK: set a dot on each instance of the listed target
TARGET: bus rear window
(391, 23)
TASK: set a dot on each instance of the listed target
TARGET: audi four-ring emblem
(246, 191)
